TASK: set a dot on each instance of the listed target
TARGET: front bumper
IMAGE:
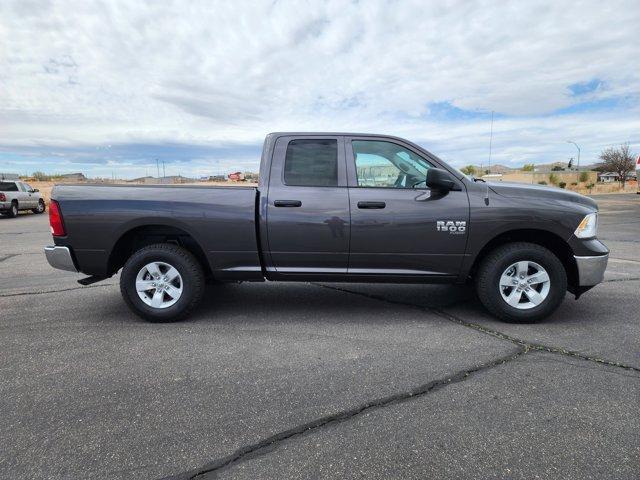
(591, 269)
(60, 258)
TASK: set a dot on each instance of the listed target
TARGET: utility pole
(158, 167)
(490, 141)
(164, 175)
(578, 161)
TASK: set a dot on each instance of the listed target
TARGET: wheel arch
(544, 238)
(141, 236)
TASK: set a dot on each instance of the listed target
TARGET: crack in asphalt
(488, 331)
(7, 257)
(268, 444)
(630, 279)
(42, 292)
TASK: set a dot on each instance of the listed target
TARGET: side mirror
(35, 190)
(438, 179)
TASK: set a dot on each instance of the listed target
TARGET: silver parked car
(16, 195)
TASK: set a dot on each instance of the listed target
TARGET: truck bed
(222, 220)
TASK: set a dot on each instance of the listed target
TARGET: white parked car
(16, 195)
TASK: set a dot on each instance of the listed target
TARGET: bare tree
(618, 160)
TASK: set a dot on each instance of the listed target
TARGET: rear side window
(8, 187)
(311, 163)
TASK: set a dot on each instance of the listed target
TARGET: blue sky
(107, 89)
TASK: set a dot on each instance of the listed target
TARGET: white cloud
(74, 73)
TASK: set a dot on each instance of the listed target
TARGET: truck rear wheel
(13, 211)
(521, 282)
(162, 282)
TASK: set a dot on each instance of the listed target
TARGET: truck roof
(333, 134)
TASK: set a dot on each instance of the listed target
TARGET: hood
(518, 190)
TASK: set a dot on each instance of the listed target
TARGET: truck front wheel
(162, 282)
(521, 282)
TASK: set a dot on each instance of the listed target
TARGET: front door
(25, 197)
(398, 226)
(308, 207)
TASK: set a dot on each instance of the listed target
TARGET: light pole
(578, 161)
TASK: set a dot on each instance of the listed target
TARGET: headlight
(588, 227)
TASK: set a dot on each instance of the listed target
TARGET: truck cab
(358, 206)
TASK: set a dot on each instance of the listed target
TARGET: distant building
(608, 177)
(9, 176)
(219, 178)
(72, 177)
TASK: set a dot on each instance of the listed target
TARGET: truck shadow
(328, 302)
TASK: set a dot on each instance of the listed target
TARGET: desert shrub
(584, 176)
(562, 184)
(573, 184)
(553, 179)
(542, 183)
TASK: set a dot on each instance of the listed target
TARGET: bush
(40, 176)
(584, 176)
(574, 184)
(562, 184)
(542, 183)
(553, 179)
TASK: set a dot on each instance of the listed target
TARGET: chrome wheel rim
(159, 285)
(14, 210)
(524, 285)
(40, 206)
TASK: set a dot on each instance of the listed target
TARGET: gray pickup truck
(16, 195)
(333, 207)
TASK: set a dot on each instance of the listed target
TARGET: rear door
(308, 222)
(398, 226)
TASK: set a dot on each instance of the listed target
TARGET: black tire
(13, 211)
(497, 261)
(182, 260)
(41, 207)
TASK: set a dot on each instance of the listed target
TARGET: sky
(106, 88)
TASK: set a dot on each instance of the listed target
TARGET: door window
(388, 165)
(311, 163)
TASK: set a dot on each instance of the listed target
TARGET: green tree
(40, 176)
(468, 170)
(528, 167)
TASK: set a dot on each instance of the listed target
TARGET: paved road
(317, 381)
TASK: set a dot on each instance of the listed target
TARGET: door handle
(287, 203)
(371, 205)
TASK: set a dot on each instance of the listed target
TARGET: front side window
(388, 165)
(311, 163)
(27, 188)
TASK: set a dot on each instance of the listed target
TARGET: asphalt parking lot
(317, 380)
